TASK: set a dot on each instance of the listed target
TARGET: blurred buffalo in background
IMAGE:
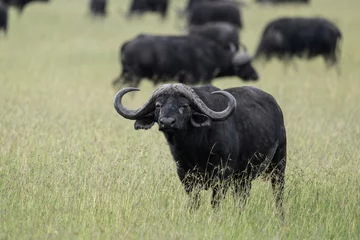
(189, 59)
(286, 38)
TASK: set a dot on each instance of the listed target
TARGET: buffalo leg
(163, 12)
(122, 77)
(288, 61)
(331, 60)
(219, 192)
(242, 190)
(192, 188)
(278, 183)
(278, 179)
(117, 81)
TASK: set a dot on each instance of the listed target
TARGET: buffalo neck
(190, 136)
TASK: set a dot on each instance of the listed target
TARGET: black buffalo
(142, 6)
(21, 4)
(98, 7)
(217, 137)
(191, 59)
(3, 17)
(224, 34)
(218, 11)
(286, 38)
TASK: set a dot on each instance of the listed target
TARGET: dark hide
(286, 38)
(3, 17)
(222, 33)
(98, 7)
(217, 11)
(21, 4)
(142, 6)
(188, 59)
(191, 3)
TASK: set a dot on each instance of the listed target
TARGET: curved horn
(241, 58)
(198, 103)
(232, 47)
(145, 109)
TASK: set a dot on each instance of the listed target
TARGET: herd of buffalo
(218, 138)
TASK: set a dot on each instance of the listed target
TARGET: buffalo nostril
(167, 122)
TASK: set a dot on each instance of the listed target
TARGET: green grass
(72, 168)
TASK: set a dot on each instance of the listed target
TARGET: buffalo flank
(224, 34)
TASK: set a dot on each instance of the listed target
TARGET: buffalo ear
(200, 120)
(144, 123)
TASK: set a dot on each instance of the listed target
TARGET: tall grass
(71, 168)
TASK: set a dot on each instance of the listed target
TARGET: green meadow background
(72, 168)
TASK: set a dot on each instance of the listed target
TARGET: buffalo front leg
(219, 192)
(242, 189)
(192, 187)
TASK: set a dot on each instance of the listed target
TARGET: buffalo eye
(182, 107)
(158, 105)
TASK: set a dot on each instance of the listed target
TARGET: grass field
(72, 168)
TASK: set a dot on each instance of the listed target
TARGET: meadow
(72, 168)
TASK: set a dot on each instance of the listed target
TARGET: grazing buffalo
(98, 7)
(224, 34)
(218, 11)
(286, 38)
(142, 6)
(191, 59)
(3, 17)
(217, 137)
(21, 4)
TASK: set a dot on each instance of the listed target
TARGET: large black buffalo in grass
(3, 17)
(215, 11)
(217, 137)
(21, 4)
(287, 37)
(189, 59)
(141, 6)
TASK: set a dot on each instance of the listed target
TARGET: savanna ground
(72, 168)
